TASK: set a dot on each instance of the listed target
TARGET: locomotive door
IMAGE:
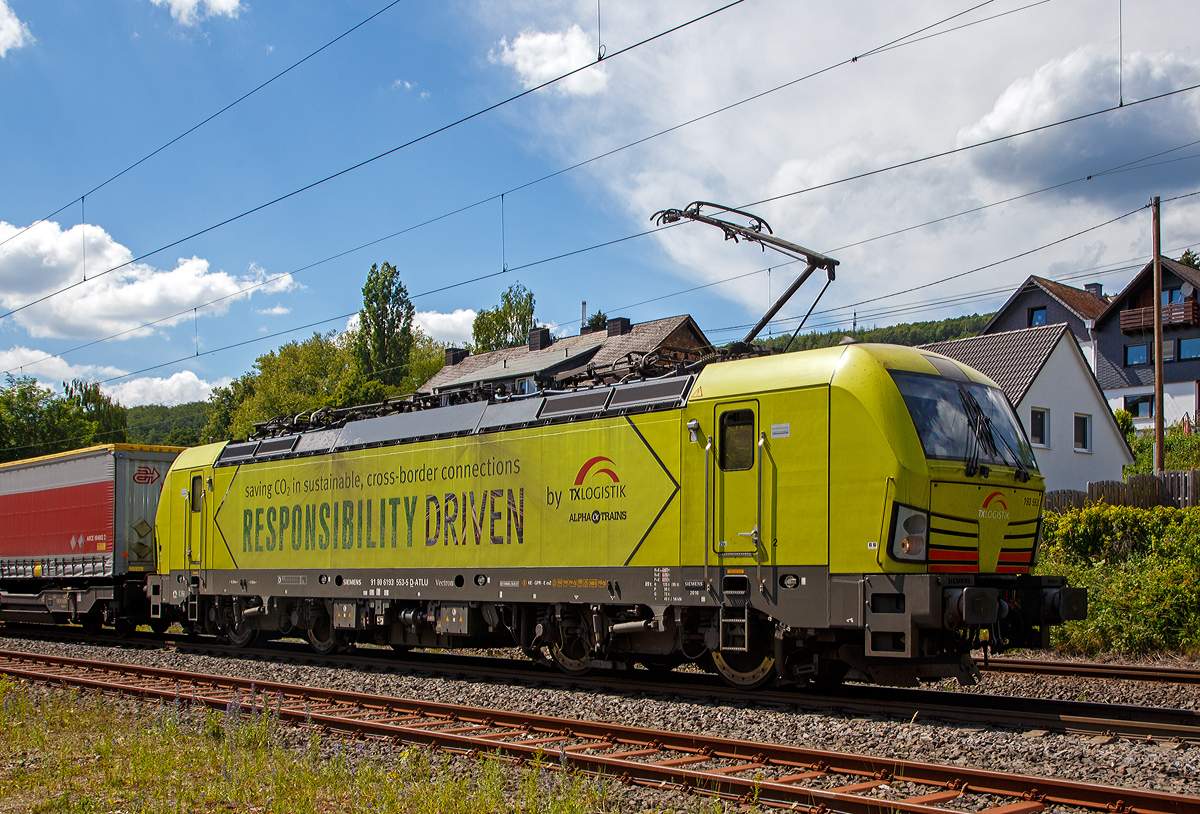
(735, 506)
(195, 521)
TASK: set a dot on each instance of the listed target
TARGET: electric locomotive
(864, 507)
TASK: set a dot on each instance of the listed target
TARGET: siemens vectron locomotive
(864, 507)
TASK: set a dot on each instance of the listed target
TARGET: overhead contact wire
(379, 156)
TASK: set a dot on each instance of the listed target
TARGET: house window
(1037, 316)
(1140, 406)
(1083, 433)
(1168, 350)
(737, 440)
(1039, 427)
(1137, 355)
(1189, 348)
(1171, 296)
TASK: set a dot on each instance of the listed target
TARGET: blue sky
(89, 88)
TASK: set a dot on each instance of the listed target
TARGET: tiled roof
(1183, 271)
(642, 338)
(1011, 359)
(1086, 305)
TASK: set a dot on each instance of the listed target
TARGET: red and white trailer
(77, 525)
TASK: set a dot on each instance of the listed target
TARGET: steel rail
(774, 774)
(1082, 669)
(969, 708)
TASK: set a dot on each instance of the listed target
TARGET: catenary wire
(891, 45)
(203, 122)
(379, 156)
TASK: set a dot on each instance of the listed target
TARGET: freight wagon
(76, 535)
(865, 507)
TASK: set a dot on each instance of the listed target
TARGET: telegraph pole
(1160, 453)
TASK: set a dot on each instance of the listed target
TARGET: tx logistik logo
(998, 513)
(608, 487)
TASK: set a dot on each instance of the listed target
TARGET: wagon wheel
(746, 671)
(92, 623)
(125, 628)
(160, 626)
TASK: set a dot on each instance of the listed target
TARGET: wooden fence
(1173, 488)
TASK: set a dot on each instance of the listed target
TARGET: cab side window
(737, 440)
(197, 493)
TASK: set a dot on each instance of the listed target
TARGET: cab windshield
(940, 410)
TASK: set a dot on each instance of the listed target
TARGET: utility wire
(377, 157)
(891, 45)
(200, 124)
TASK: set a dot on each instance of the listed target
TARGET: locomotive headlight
(910, 527)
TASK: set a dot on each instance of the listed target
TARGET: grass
(63, 751)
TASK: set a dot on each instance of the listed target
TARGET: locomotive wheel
(571, 666)
(243, 636)
(324, 639)
(746, 671)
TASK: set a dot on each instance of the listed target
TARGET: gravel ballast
(1164, 767)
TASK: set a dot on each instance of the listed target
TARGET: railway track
(1079, 669)
(964, 708)
(771, 774)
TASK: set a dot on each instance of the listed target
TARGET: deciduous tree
(508, 324)
(384, 338)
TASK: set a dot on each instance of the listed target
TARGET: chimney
(454, 356)
(539, 338)
(1095, 289)
(618, 326)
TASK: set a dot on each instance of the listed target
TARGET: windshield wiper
(985, 435)
(980, 437)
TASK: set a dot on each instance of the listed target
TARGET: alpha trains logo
(597, 482)
(994, 508)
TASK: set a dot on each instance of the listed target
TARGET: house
(1047, 379)
(1039, 301)
(603, 355)
(1125, 345)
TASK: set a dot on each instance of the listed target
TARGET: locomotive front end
(963, 523)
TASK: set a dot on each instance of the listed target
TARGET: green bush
(1142, 571)
(1182, 449)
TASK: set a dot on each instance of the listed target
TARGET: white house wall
(1065, 387)
(1179, 397)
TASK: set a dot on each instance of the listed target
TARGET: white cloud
(52, 371)
(46, 259)
(1083, 81)
(13, 33)
(401, 84)
(539, 56)
(178, 388)
(454, 327)
(887, 108)
(191, 12)
(275, 310)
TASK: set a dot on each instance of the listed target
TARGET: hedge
(1142, 571)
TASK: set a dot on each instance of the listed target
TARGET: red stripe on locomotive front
(43, 523)
(952, 555)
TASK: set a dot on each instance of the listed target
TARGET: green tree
(508, 324)
(427, 358)
(320, 371)
(598, 320)
(35, 421)
(384, 338)
(157, 423)
(109, 417)
(1190, 258)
